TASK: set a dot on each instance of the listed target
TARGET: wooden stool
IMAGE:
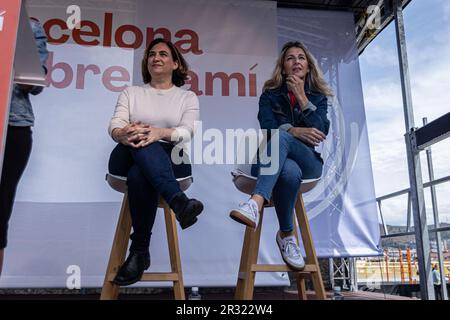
(249, 257)
(110, 290)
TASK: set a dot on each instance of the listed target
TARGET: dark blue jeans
(150, 173)
(297, 161)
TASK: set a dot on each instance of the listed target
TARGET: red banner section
(9, 21)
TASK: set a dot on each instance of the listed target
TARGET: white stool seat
(246, 183)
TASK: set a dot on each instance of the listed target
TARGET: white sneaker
(247, 214)
(290, 252)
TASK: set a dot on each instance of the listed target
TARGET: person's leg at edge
(17, 152)
(2, 251)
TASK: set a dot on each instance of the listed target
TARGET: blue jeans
(297, 161)
(150, 173)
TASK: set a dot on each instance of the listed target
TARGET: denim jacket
(21, 112)
(275, 111)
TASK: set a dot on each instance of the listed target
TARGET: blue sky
(427, 25)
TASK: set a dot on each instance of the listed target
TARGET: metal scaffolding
(414, 168)
(343, 273)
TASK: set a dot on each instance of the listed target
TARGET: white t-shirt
(170, 108)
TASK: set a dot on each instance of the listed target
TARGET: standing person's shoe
(132, 269)
(247, 214)
(186, 210)
(290, 252)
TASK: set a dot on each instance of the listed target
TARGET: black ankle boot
(132, 269)
(186, 210)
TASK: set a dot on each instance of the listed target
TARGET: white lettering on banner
(108, 76)
(121, 74)
(187, 40)
(2, 17)
(89, 33)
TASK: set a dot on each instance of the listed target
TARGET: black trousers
(437, 292)
(150, 172)
(17, 152)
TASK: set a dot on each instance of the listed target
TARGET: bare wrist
(303, 102)
(165, 134)
(116, 134)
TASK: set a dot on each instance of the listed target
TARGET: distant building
(433, 246)
(446, 245)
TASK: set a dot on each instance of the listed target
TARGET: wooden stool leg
(110, 291)
(301, 287)
(174, 252)
(249, 257)
(311, 257)
(241, 281)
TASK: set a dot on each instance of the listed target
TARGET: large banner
(342, 208)
(65, 214)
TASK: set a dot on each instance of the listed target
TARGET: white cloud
(446, 9)
(430, 88)
(379, 56)
(382, 97)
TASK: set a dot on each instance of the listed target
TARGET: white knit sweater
(170, 108)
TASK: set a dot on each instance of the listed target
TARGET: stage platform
(261, 293)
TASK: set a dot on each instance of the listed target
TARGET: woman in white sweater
(147, 122)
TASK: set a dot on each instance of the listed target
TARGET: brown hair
(314, 78)
(179, 75)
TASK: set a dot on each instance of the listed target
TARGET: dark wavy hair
(179, 75)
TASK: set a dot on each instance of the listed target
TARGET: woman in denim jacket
(294, 101)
